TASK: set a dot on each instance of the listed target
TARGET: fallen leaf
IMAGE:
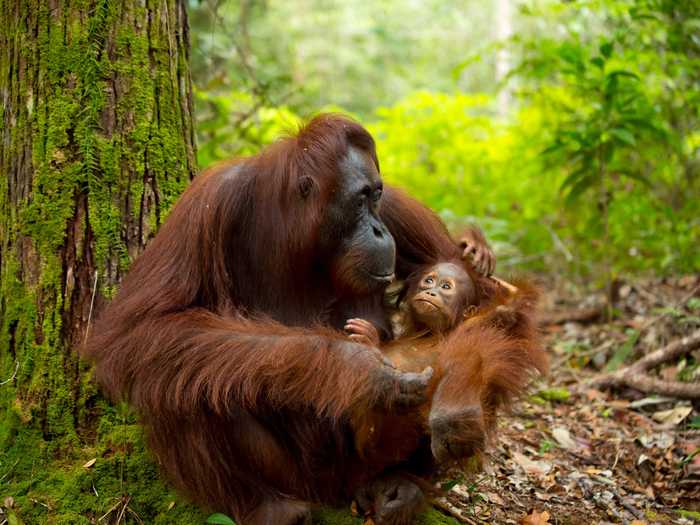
(593, 394)
(536, 518)
(673, 416)
(642, 459)
(537, 468)
(171, 505)
(90, 463)
(495, 498)
(562, 436)
(662, 440)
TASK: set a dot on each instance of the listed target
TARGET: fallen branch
(577, 315)
(635, 375)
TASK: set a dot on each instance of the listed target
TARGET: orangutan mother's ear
(306, 185)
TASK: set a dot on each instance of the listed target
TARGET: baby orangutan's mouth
(426, 303)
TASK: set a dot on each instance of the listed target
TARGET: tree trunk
(503, 31)
(96, 143)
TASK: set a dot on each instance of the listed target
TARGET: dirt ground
(572, 454)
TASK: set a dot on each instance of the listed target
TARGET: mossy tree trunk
(96, 143)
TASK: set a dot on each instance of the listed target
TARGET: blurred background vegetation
(567, 130)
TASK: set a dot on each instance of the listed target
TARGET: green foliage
(356, 55)
(451, 153)
(222, 138)
(689, 514)
(545, 446)
(621, 85)
(595, 168)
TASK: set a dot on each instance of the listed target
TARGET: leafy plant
(220, 519)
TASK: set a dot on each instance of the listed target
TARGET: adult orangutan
(222, 334)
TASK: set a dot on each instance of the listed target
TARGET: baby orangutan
(444, 295)
(483, 352)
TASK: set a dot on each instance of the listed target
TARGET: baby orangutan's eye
(429, 280)
(446, 286)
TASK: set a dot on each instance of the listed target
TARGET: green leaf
(464, 64)
(598, 61)
(622, 73)
(691, 514)
(553, 148)
(581, 186)
(606, 49)
(692, 24)
(623, 352)
(450, 484)
(693, 303)
(635, 176)
(554, 394)
(571, 54)
(624, 136)
(220, 519)
(573, 177)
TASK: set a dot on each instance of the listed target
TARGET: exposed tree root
(636, 376)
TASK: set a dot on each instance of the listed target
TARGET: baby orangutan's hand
(362, 331)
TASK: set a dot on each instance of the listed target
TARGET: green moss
(50, 488)
(329, 516)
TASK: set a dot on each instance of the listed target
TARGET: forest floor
(569, 454)
(572, 454)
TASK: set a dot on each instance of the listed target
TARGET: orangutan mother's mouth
(382, 278)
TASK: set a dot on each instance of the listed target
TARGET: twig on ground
(449, 509)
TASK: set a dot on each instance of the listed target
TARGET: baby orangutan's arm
(362, 331)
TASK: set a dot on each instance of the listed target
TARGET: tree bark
(96, 143)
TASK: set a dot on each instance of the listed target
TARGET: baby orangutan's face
(440, 297)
